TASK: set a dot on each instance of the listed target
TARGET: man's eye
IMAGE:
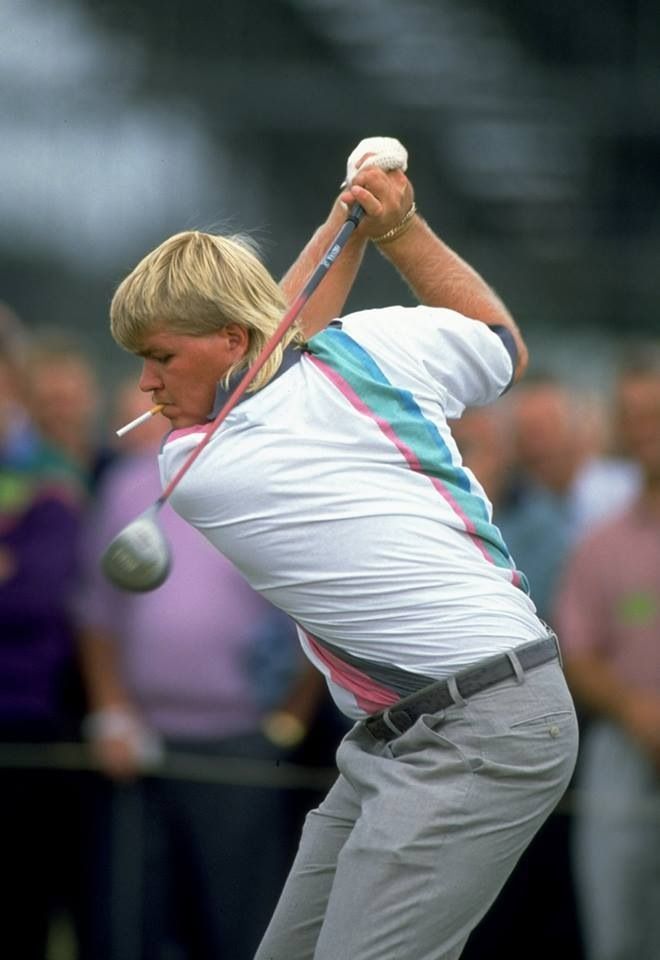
(166, 357)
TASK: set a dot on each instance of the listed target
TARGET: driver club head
(138, 558)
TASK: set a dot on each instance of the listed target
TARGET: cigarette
(141, 419)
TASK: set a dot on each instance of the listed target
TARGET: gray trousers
(417, 836)
(616, 846)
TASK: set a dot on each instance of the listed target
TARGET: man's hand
(375, 178)
(118, 757)
(385, 195)
(121, 745)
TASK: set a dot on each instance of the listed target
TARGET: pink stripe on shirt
(185, 431)
(369, 695)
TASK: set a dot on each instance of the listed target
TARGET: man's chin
(181, 422)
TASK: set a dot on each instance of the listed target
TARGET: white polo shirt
(339, 492)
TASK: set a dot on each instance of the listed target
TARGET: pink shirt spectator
(609, 600)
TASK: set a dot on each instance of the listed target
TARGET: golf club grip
(353, 218)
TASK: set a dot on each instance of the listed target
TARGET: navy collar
(290, 357)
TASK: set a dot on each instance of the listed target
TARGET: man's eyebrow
(149, 351)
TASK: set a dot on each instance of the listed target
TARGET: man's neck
(650, 496)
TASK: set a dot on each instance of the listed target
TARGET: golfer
(336, 487)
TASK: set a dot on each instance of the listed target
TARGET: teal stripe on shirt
(400, 410)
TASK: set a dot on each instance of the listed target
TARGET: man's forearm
(327, 301)
(439, 277)
(597, 687)
(634, 709)
(105, 688)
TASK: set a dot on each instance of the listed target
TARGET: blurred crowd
(158, 751)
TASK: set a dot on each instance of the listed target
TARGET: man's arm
(597, 686)
(583, 613)
(327, 301)
(382, 210)
(290, 722)
(112, 726)
(436, 274)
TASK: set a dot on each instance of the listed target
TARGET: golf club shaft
(354, 216)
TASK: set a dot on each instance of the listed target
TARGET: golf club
(139, 558)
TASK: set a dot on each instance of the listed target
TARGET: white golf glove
(388, 154)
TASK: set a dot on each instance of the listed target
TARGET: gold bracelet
(400, 228)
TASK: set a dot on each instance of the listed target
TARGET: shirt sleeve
(460, 362)
(469, 360)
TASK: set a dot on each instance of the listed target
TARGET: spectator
(561, 445)
(16, 429)
(526, 512)
(40, 510)
(65, 397)
(542, 455)
(545, 460)
(534, 527)
(185, 671)
(609, 615)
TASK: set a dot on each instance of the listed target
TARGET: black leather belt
(395, 720)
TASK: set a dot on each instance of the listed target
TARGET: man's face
(10, 400)
(182, 371)
(545, 436)
(639, 420)
(63, 396)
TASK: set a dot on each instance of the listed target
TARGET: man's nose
(149, 378)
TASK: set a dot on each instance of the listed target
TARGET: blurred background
(532, 129)
(533, 134)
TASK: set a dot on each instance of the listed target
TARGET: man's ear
(237, 338)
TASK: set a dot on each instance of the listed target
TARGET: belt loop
(390, 723)
(553, 636)
(559, 656)
(454, 692)
(516, 666)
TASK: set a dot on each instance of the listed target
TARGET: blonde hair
(195, 283)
